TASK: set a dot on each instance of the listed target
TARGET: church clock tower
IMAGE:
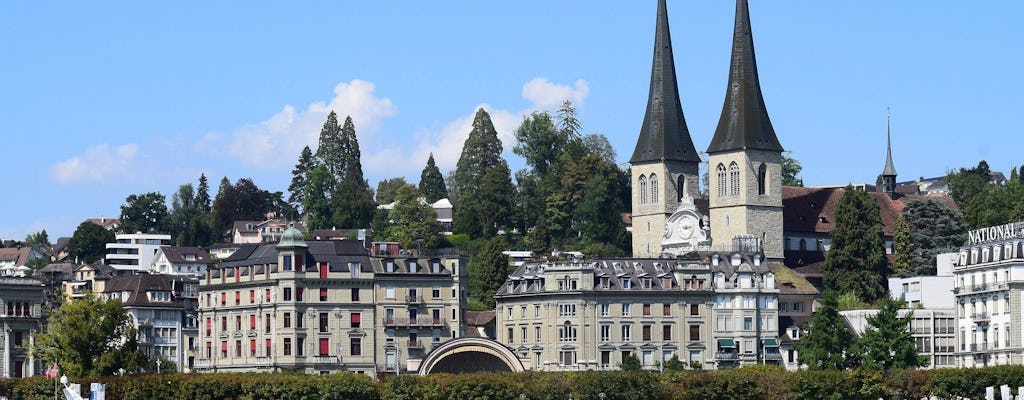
(745, 156)
(664, 164)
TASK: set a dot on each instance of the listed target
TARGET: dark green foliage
(386, 189)
(674, 364)
(791, 171)
(297, 188)
(598, 145)
(568, 124)
(934, 228)
(90, 337)
(901, 246)
(887, 343)
(856, 261)
(146, 213)
(187, 223)
(539, 142)
(316, 201)
(202, 201)
(488, 269)
(411, 223)
(827, 340)
(243, 201)
(330, 151)
(89, 242)
(631, 363)
(347, 196)
(481, 182)
(432, 182)
(983, 203)
(38, 238)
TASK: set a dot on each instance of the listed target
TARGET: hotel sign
(996, 233)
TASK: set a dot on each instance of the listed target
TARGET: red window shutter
(252, 321)
(323, 294)
(268, 347)
(325, 346)
(267, 295)
(252, 345)
(224, 346)
(237, 275)
(252, 296)
(324, 268)
(355, 319)
(223, 298)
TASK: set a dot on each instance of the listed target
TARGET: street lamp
(158, 362)
(522, 396)
(600, 395)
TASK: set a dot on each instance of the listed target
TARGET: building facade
(932, 330)
(162, 308)
(988, 286)
(323, 306)
(181, 261)
(135, 252)
(20, 318)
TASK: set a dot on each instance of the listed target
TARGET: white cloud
(262, 144)
(97, 164)
(545, 94)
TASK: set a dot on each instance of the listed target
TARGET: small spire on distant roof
(889, 170)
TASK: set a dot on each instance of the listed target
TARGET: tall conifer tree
(432, 182)
(856, 260)
(299, 176)
(482, 182)
(827, 341)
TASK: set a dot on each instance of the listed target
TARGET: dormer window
(435, 267)
(735, 260)
(413, 267)
(159, 297)
(626, 283)
(617, 266)
(190, 257)
(646, 282)
(389, 266)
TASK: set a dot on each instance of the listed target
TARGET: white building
(181, 261)
(135, 251)
(988, 278)
(933, 292)
(933, 332)
(443, 208)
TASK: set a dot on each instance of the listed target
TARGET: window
(266, 325)
(287, 294)
(762, 178)
(324, 322)
(252, 321)
(252, 347)
(287, 320)
(324, 269)
(324, 347)
(356, 346)
(224, 348)
(694, 333)
(643, 189)
(300, 346)
(252, 296)
(287, 346)
(625, 309)
(647, 310)
(605, 310)
(435, 292)
(606, 358)
(564, 310)
(567, 332)
(606, 333)
(654, 189)
(323, 294)
(626, 283)
(287, 261)
(645, 331)
(567, 357)
(748, 323)
(536, 334)
(734, 179)
(720, 171)
(694, 309)
(666, 332)
(224, 323)
(354, 319)
(238, 298)
(298, 319)
(666, 309)
(509, 337)
(209, 326)
(266, 296)
(389, 292)
(627, 333)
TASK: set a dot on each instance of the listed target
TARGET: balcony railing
(980, 317)
(413, 299)
(203, 363)
(980, 347)
(727, 356)
(415, 344)
(419, 321)
(263, 360)
(773, 356)
(984, 287)
(325, 359)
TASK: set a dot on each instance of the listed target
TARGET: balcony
(727, 356)
(773, 356)
(263, 361)
(325, 360)
(981, 317)
(414, 299)
(203, 363)
(420, 321)
(980, 347)
(415, 344)
(984, 287)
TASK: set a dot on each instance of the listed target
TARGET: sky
(100, 100)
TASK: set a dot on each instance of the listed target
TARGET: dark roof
(889, 169)
(106, 223)
(139, 285)
(177, 254)
(328, 234)
(246, 226)
(337, 253)
(19, 255)
(61, 271)
(663, 135)
(813, 209)
(744, 123)
(480, 318)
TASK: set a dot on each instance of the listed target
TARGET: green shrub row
(751, 383)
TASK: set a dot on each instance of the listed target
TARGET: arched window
(734, 179)
(721, 180)
(643, 189)
(762, 179)
(654, 189)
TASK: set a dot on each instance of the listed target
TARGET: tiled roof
(139, 285)
(337, 253)
(790, 282)
(179, 254)
(479, 318)
(106, 223)
(813, 209)
(19, 255)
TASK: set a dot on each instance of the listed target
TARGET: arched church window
(721, 180)
(654, 189)
(762, 179)
(643, 189)
(734, 179)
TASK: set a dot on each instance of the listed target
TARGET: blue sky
(102, 100)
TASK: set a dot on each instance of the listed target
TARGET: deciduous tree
(88, 243)
(146, 213)
(791, 172)
(38, 238)
(412, 223)
(90, 337)
(387, 188)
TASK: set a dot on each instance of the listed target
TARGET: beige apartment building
(320, 307)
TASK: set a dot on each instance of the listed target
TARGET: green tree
(791, 171)
(221, 216)
(901, 245)
(89, 242)
(90, 337)
(352, 198)
(300, 174)
(568, 124)
(387, 188)
(674, 364)
(934, 228)
(146, 213)
(330, 151)
(481, 182)
(827, 340)
(488, 269)
(631, 363)
(412, 223)
(598, 145)
(187, 223)
(432, 182)
(856, 261)
(316, 201)
(968, 187)
(38, 238)
(887, 343)
(202, 201)
(243, 201)
(539, 142)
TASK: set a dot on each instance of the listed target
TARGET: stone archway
(470, 355)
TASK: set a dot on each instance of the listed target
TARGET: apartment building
(20, 318)
(988, 278)
(932, 330)
(135, 252)
(711, 310)
(322, 306)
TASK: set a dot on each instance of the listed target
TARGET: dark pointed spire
(744, 123)
(663, 135)
(889, 170)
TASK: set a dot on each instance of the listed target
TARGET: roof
(337, 253)
(480, 318)
(813, 209)
(790, 282)
(177, 254)
(889, 169)
(327, 234)
(139, 285)
(19, 255)
(744, 123)
(663, 134)
(106, 223)
(62, 269)
(246, 226)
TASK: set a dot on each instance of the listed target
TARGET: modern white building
(933, 332)
(135, 251)
(443, 208)
(932, 292)
(988, 278)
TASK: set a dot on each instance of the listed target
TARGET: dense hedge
(751, 383)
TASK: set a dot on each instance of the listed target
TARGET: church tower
(889, 172)
(664, 164)
(745, 156)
